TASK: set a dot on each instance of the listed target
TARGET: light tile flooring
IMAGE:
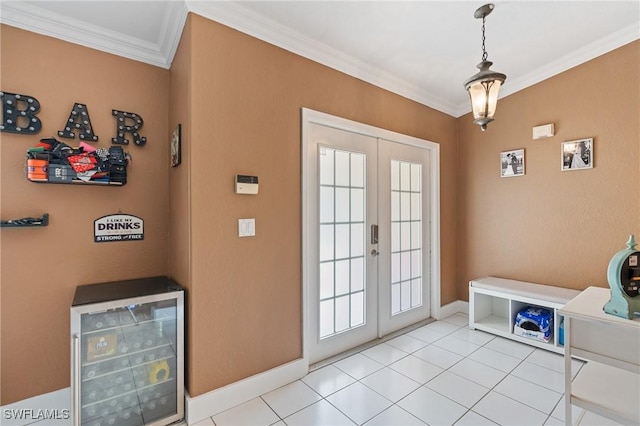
(440, 374)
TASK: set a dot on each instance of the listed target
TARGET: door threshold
(368, 345)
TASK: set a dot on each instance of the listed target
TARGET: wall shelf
(65, 165)
(79, 182)
(26, 222)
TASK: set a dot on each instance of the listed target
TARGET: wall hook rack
(26, 221)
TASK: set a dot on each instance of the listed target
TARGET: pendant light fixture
(483, 87)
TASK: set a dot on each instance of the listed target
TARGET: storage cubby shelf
(495, 302)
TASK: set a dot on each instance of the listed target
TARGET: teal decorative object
(624, 279)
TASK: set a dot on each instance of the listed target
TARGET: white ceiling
(422, 50)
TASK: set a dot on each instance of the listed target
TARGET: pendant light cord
(484, 52)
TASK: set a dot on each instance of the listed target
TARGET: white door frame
(311, 116)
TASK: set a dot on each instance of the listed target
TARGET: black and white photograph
(577, 154)
(512, 163)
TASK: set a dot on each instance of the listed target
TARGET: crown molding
(29, 17)
(237, 17)
(173, 23)
(25, 15)
(584, 54)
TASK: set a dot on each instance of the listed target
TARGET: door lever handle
(374, 252)
(374, 234)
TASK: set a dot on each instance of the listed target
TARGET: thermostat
(546, 131)
(246, 184)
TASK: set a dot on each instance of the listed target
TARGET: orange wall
(549, 226)
(245, 114)
(179, 187)
(40, 267)
(238, 100)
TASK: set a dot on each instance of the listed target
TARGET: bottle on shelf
(125, 414)
(111, 419)
(134, 338)
(137, 359)
(91, 370)
(148, 337)
(91, 411)
(126, 317)
(95, 322)
(111, 319)
(123, 347)
(91, 391)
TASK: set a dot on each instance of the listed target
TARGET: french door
(368, 233)
(404, 266)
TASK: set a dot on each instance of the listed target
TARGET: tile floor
(440, 374)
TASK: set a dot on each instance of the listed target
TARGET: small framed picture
(512, 163)
(175, 146)
(577, 154)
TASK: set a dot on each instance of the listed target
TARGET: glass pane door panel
(326, 242)
(128, 364)
(327, 322)
(416, 180)
(327, 160)
(327, 209)
(342, 168)
(395, 237)
(342, 313)
(342, 240)
(342, 204)
(357, 311)
(357, 240)
(357, 205)
(342, 277)
(406, 236)
(416, 292)
(326, 280)
(357, 171)
(357, 274)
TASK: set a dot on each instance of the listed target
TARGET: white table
(609, 383)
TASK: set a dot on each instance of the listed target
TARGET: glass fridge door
(128, 359)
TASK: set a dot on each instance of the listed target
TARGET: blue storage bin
(535, 323)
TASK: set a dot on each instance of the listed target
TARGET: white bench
(495, 302)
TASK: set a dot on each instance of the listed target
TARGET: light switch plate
(246, 227)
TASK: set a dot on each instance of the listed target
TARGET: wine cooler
(127, 352)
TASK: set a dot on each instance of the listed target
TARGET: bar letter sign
(118, 227)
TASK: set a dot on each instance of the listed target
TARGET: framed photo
(577, 154)
(512, 163)
(175, 146)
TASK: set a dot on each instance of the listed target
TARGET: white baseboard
(453, 308)
(57, 404)
(218, 400)
(214, 402)
(211, 403)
